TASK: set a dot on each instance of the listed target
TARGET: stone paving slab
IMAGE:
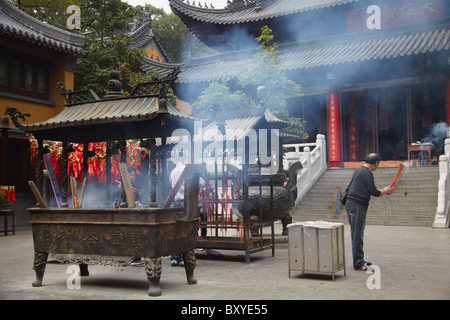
(413, 262)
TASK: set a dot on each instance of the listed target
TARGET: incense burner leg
(40, 261)
(189, 265)
(153, 270)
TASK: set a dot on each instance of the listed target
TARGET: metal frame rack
(228, 191)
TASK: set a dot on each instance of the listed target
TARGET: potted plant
(4, 203)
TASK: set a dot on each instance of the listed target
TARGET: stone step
(385, 175)
(403, 198)
(389, 178)
(369, 219)
(416, 183)
(398, 196)
(394, 200)
(386, 172)
(386, 222)
(382, 210)
(400, 187)
(323, 214)
(413, 203)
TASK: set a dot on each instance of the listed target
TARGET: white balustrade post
(320, 140)
(447, 147)
(442, 210)
(447, 151)
(307, 153)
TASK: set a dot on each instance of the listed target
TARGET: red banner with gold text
(334, 130)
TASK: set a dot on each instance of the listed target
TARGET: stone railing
(441, 220)
(314, 163)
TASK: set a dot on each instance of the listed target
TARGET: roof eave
(40, 33)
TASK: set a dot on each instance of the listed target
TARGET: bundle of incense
(74, 188)
(397, 175)
(37, 194)
(127, 184)
(80, 202)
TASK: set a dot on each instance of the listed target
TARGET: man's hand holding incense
(387, 190)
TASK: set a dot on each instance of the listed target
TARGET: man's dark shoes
(363, 267)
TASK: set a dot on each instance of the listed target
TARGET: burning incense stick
(80, 202)
(37, 194)
(397, 175)
(74, 188)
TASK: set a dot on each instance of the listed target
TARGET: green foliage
(53, 12)
(4, 204)
(217, 98)
(174, 36)
(297, 125)
(155, 12)
(105, 20)
(103, 23)
(170, 32)
(93, 71)
(266, 42)
(264, 69)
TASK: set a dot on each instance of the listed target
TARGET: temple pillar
(353, 132)
(334, 129)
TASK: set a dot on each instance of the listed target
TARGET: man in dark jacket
(360, 191)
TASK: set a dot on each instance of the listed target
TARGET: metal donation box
(316, 246)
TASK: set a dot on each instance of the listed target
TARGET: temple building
(34, 57)
(155, 57)
(373, 73)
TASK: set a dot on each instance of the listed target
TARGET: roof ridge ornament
(158, 88)
(14, 113)
(114, 84)
(74, 97)
(199, 5)
(243, 4)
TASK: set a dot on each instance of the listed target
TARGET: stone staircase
(413, 203)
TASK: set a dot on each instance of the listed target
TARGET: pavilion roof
(244, 11)
(131, 117)
(16, 23)
(329, 51)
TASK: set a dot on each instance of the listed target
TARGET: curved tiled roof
(241, 11)
(326, 51)
(143, 35)
(111, 119)
(16, 23)
(127, 109)
(164, 69)
(238, 123)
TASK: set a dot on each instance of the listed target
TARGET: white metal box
(316, 246)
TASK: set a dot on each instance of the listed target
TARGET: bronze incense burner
(112, 236)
